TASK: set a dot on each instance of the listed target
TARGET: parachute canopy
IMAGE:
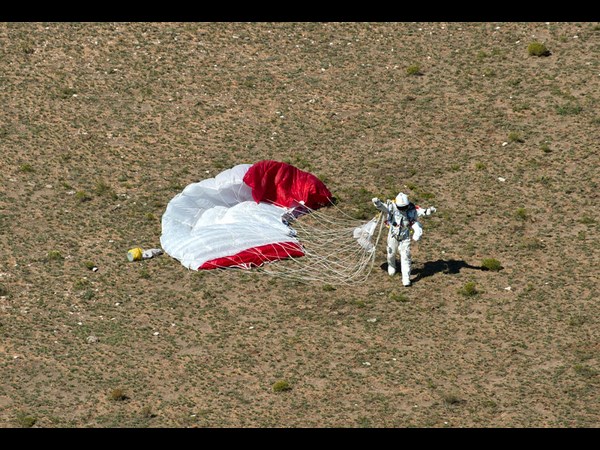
(238, 218)
(285, 185)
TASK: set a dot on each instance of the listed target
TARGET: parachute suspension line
(338, 248)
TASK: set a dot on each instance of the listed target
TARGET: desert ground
(103, 123)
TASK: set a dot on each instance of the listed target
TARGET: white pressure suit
(402, 219)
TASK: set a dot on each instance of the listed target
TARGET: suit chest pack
(400, 221)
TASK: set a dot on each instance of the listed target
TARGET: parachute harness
(399, 231)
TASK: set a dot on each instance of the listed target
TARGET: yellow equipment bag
(135, 254)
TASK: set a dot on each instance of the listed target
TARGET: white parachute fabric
(364, 234)
(216, 217)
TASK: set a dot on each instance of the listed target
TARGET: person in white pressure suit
(402, 219)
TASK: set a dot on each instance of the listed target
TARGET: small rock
(504, 144)
(508, 288)
(92, 339)
(372, 320)
(501, 179)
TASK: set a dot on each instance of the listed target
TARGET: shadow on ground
(430, 268)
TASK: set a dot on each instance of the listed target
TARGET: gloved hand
(430, 210)
(375, 200)
(417, 231)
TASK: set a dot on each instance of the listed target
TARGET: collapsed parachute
(247, 216)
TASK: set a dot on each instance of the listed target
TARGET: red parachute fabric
(285, 185)
(256, 256)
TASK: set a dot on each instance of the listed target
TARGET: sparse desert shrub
(26, 168)
(281, 386)
(585, 371)
(89, 265)
(146, 412)
(538, 49)
(25, 420)
(587, 220)
(469, 289)
(118, 395)
(3, 291)
(81, 284)
(545, 148)
(570, 109)
(413, 69)
(65, 93)
(82, 196)
(54, 255)
(27, 48)
(480, 166)
(491, 264)
(328, 288)
(88, 295)
(452, 399)
(521, 213)
(103, 189)
(532, 243)
(513, 136)
(398, 297)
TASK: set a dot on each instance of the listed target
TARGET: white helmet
(401, 199)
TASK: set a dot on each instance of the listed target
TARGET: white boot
(391, 270)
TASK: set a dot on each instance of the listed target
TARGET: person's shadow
(430, 268)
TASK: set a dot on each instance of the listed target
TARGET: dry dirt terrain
(103, 123)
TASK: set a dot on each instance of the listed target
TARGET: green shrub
(25, 420)
(26, 168)
(397, 297)
(491, 264)
(531, 243)
(513, 136)
(521, 213)
(65, 93)
(328, 288)
(118, 395)
(281, 386)
(452, 399)
(54, 255)
(82, 196)
(413, 69)
(103, 189)
(146, 412)
(570, 109)
(587, 220)
(468, 290)
(538, 49)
